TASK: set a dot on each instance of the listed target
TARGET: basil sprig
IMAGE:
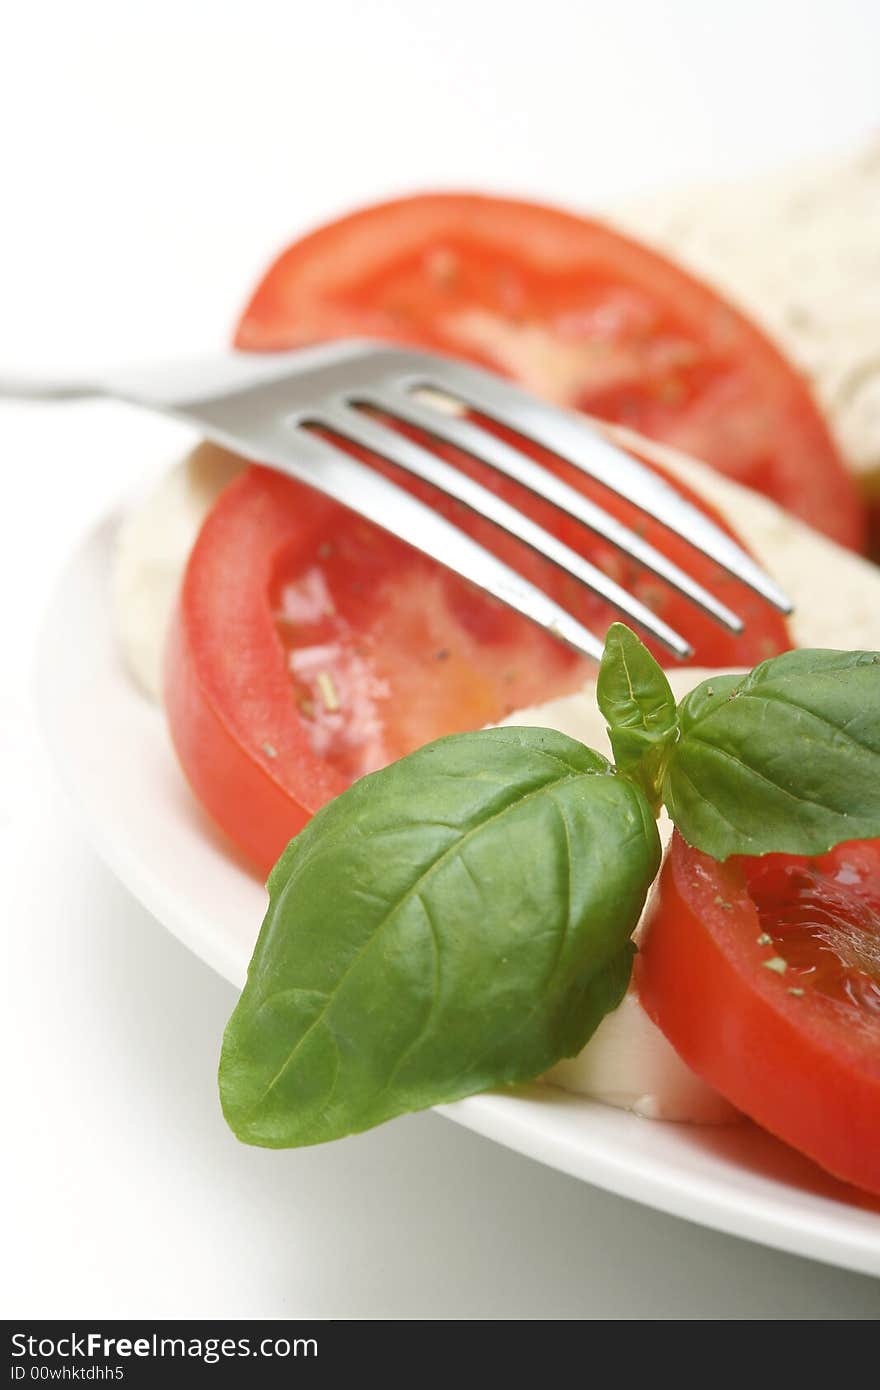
(635, 697)
(785, 759)
(462, 919)
(457, 921)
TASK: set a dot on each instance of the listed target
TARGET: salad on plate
(488, 861)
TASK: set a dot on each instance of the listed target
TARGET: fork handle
(20, 388)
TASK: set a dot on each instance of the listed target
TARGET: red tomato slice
(579, 313)
(310, 647)
(764, 974)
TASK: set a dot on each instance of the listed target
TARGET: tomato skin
(227, 691)
(620, 332)
(801, 1072)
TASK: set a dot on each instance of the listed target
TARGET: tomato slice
(764, 974)
(309, 647)
(578, 312)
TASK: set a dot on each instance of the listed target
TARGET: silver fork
(268, 407)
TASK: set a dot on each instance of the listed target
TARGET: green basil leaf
(785, 759)
(458, 921)
(636, 699)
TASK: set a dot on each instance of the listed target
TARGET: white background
(150, 166)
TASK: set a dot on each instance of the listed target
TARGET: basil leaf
(636, 699)
(785, 759)
(456, 921)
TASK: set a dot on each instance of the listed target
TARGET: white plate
(112, 752)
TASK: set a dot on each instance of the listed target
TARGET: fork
(268, 408)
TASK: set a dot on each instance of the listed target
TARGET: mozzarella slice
(629, 1064)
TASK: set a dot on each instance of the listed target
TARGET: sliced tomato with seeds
(581, 314)
(764, 974)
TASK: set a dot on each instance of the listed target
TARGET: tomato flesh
(763, 974)
(387, 650)
(823, 917)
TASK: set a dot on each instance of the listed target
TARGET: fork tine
(361, 429)
(465, 435)
(324, 466)
(570, 439)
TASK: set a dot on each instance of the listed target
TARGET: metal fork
(268, 407)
